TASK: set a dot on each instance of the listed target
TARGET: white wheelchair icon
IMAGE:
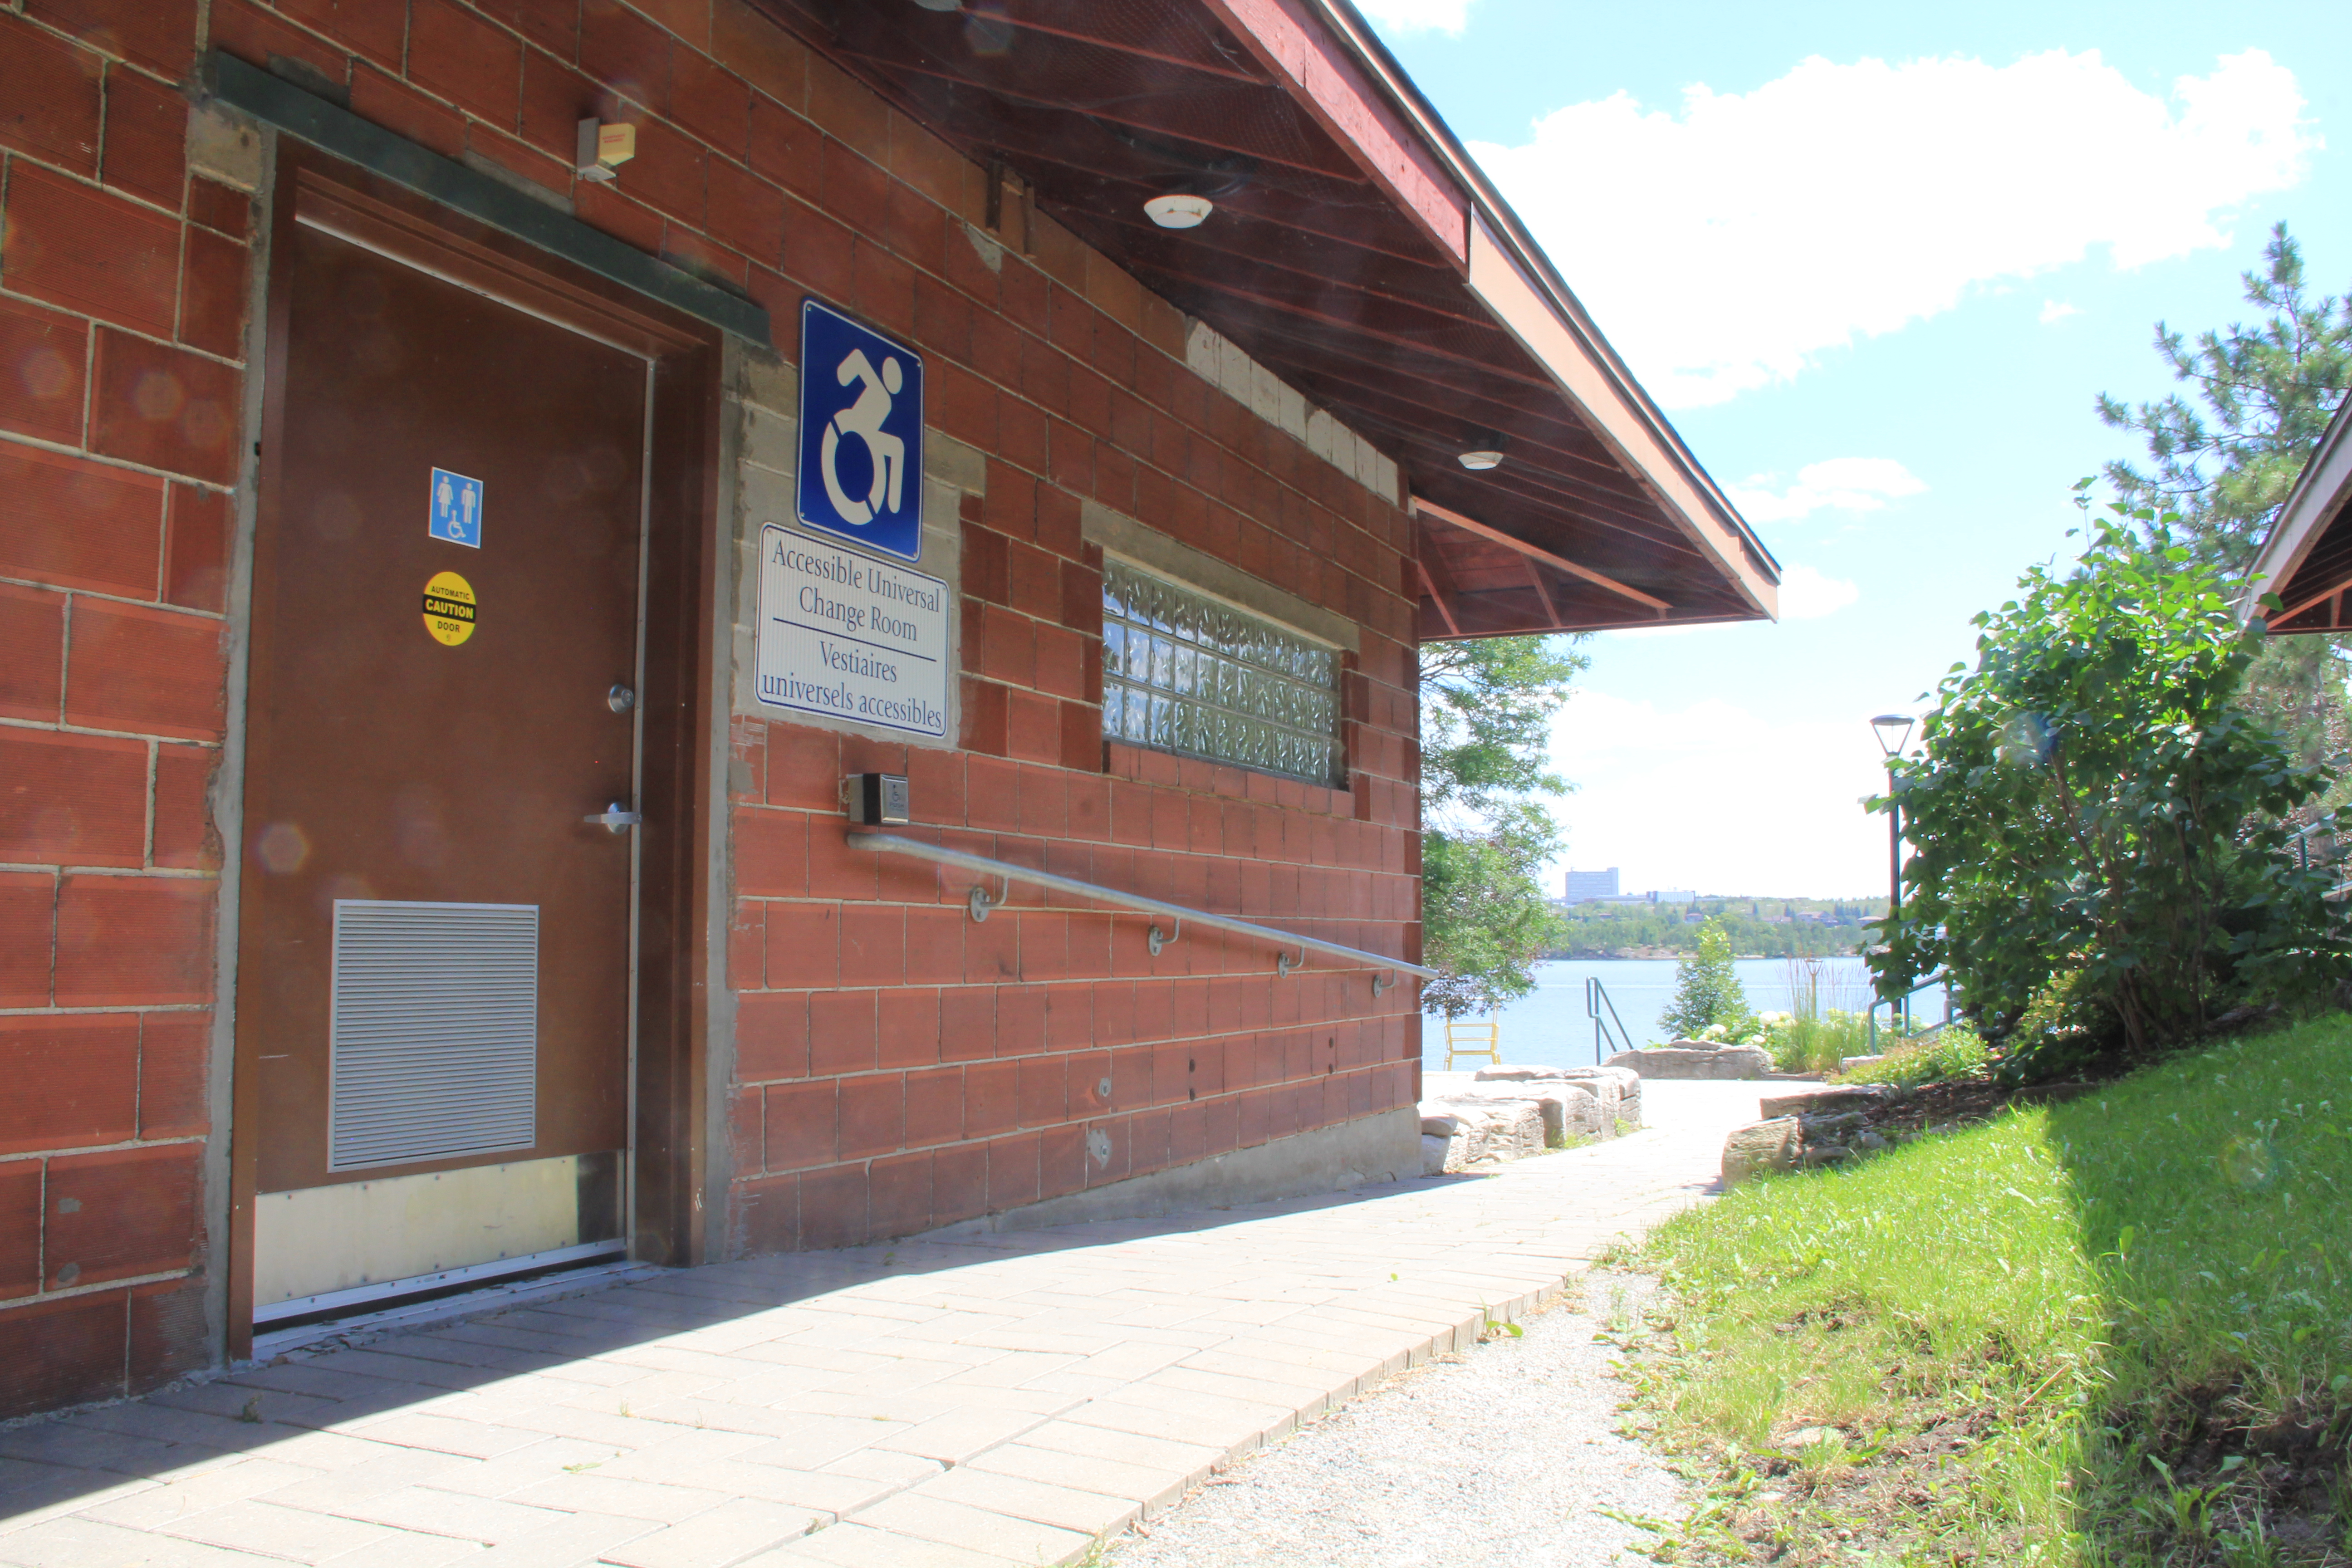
(461, 529)
(864, 420)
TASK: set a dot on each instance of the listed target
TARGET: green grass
(2017, 1331)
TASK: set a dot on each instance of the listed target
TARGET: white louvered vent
(434, 1031)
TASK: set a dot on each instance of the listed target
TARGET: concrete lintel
(1123, 536)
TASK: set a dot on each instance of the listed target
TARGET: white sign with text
(847, 636)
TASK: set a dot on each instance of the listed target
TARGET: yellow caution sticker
(449, 609)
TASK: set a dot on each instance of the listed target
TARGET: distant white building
(1585, 886)
(1602, 888)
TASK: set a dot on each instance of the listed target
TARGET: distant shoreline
(1587, 955)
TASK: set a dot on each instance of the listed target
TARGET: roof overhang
(1357, 253)
(2307, 559)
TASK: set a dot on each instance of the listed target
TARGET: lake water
(1547, 1027)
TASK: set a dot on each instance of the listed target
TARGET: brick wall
(122, 295)
(899, 1065)
(895, 1065)
(905, 1066)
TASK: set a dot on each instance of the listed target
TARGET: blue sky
(1876, 261)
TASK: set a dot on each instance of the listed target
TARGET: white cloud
(1808, 595)
(1418, 15)
(1717, 798)
(2057, 311)
(1847, 484)
(1727, 245)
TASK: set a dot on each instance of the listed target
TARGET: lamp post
(1893, 729)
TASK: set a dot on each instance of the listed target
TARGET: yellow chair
(1474, 1040)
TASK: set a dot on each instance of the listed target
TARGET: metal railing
(980, 901)
(1608, 1029)
(1942, 978)
(2331, 851)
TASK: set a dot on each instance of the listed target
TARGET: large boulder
(1620, 1090)
(1508, 1114)
(1561, 1110)
(1829, 1098)
(1687, 1060)
(1615, 1094)
(1775, 1145)
(1572, 1110)
(1478, 1130)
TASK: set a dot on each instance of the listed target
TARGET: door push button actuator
(620, 699)
(615, 817)
(876, 800)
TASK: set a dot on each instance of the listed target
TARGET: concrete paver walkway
(963, 1402)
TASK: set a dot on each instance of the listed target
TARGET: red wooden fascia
(1317, 73)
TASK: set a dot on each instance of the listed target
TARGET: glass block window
(1183, 672)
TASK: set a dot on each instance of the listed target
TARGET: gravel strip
(1504, 1457)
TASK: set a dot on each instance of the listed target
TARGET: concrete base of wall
(1382, 1148)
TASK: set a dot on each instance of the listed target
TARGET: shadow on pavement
(52, 1463)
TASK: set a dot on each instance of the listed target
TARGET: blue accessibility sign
(456, 512)
(861, 434)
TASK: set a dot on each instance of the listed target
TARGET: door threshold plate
(433, 1312)
(389, 1290)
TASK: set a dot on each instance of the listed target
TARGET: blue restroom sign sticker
(455, 512)
(861, 467)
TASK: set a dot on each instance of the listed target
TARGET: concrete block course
(966, 1401)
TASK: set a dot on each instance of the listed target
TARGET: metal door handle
(615, 817)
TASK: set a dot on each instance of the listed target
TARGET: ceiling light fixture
(1178, 211)
(941, 4)
(1485, 451)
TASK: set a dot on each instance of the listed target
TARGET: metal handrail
(1942, 978)
(892, 844)
(1596, 997)
(2302, 837)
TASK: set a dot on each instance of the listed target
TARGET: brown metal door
(389, 757)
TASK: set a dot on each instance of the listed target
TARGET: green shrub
(1828, 1018)
(1951, 1055)
(1815, 1043)
(2092, 798)
(2062, 1034)
(1708, 993)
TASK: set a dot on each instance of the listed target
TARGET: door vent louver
(434, 1031)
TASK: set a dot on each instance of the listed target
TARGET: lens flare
(2252, 1163)
(282, 849)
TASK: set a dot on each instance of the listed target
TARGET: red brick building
(429, 666)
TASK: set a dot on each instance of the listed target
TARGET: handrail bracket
(979, 903)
